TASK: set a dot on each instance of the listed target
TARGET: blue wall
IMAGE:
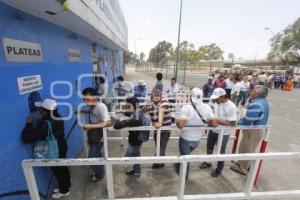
(55, 42)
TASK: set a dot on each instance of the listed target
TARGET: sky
(237, 26)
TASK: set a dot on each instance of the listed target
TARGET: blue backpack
(144, 135)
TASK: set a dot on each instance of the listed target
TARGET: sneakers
(132, 173)
(58, 195)
(205, 165)
(95, 179)
(215, 174)
(56, 190)
(156, 166)
(238, 169)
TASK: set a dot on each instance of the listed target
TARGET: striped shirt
(154, 112)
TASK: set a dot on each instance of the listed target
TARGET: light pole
(273, 33)
(178, 41)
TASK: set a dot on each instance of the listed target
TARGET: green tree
(285, 45)
(210, 52)
(128, 57)
(142, 56)
(160, 52)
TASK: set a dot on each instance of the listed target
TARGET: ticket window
(34, 111)
(33, 97)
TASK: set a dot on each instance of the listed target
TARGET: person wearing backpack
(50, 123)
(194, 114)
(160, 115)
(136, 118)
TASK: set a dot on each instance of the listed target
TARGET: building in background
(46, 42)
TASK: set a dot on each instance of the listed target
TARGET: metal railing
(183, 160)
(109, 162)
(173, 128)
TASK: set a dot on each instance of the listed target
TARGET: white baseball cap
(218, 92)
(197, 95)
(48, 104)
(141, 82)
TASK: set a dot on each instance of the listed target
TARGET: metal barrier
(183, 160)
(265, 136)
(262, 149)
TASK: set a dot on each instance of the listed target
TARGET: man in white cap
(226, 115)
(140, 90)
(195, 114)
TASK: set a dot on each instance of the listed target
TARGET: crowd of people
(225, 92)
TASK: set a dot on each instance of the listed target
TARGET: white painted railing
(183, 160)
(266, 131)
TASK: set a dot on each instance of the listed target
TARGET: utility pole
(178, 42)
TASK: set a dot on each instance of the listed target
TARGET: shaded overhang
(101, 21)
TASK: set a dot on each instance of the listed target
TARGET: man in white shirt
(226, 116)
(235, 92)
(99, 118)
(262, 78)
(244, 91)
(229, 85)
(190, 116)
(173, 89)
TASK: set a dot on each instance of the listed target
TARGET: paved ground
(275, 175)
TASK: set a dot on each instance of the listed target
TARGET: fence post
(263, 149)
(236, 141)
(110, 181)
(251, 178)
(123, 141)
(105, 142)
(31, 183)
(182, 179)
(158, 136)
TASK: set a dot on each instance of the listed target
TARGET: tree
(210, 52)
(142, 56)
(285, 45)
(128, 57)
(160, 52)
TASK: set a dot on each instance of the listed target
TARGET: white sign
(22, 51)
(29, 84)
(74, 55)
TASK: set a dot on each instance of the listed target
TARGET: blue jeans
(243, 97)
(134, 151)
(96, 152)
(212, 140)
(186, 148)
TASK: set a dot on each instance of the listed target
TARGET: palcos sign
(22, 51)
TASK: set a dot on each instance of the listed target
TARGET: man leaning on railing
(257, 114)
(160, 115)
(136, 118)
(195, 114)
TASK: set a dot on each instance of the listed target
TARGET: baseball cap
(218, 92)
(197, 95)
(48, 104)
(210, 77)
(141, 82)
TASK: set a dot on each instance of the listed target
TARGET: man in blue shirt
(208, 88)
(257, 114)
(140, 90)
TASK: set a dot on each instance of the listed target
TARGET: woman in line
(50, 118)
